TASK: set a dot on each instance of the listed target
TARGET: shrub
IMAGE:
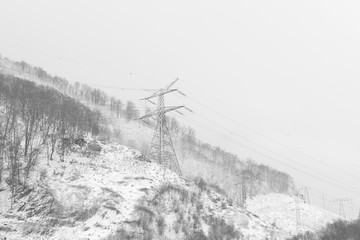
(104, 135)
(200, 182)
(80, 141)
(198, 236)
(112, 192)
(184, 195)
(121, 234)
(43, 174)
(337, 230)
(217, 189)
(196, 220)
(85, 214)
(145, 219)
(145, 210)
(219, 229)
(199, 207)
(36, 228)
(307, 236)
(161, 225)
(94, 146)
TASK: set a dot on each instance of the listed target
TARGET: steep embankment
(280, 210)
(106, 190)
(197, 158)
(94, 195)
(111, 193)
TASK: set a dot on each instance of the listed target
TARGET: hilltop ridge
(113, 193)
(194, 155)
(72, 171)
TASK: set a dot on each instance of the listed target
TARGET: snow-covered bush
(43, 174)
(84, 214)
(219, 229)
(36, 228)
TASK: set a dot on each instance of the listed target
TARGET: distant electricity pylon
(297, 209)
(244, 178)
(162, 149)
(341, 202)
(306, 194)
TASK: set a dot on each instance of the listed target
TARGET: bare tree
(130, 111)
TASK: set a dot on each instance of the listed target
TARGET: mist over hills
(192, 150)
(72, 165)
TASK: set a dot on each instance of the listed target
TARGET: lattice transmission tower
(306, 194)
(244, 176)
(341, 202)
(162, 149)
(297, 209)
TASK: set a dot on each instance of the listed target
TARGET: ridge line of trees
(33, 117)
(276, 180)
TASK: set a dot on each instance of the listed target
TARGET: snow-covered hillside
(197, 159)
(106, 190)
(280, 210)
(101, 195)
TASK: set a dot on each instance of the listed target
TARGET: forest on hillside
(261, 178)
(34, 117)
(339, 229)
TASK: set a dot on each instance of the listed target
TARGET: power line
(347, 188)
(286, 158)
(183, 95)
(335, 183)
(305, 155)
(223, 115)
(272, 140)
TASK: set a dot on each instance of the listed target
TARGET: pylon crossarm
(171, 84)
(154, 113)
(159, 93)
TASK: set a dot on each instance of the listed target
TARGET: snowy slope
(280, 210)
(91, 197)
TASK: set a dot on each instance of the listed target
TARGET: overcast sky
(287, 69)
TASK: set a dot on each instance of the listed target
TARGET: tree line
(184, 136)
(33, 117)
(339, 229)
(83, 91)
(259, 177)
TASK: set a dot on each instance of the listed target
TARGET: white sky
(288, 69)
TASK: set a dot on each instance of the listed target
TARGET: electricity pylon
(244, 177)
(297, 209)
(323, 200)
(341, 206)
(162, 149)
(306, 194)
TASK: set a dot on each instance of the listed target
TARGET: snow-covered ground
(94, 196)
(280, 210)
(110, 185)
(113, 180)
